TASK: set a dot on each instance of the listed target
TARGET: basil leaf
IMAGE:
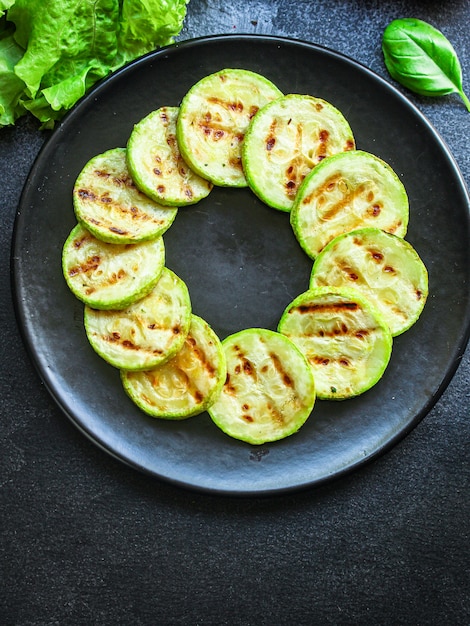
(422, 59)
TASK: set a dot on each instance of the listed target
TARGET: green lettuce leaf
(11, 87)
(67, 45)
(4, 5)
(147, 24)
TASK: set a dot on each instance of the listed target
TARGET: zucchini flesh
(110, 276)
(185, 385)
(109, 205)
(269, 391)
(148, 332)
(286, 140)
(383, 267)
(344, 338)
(156, 164)
(347, 191)
(213, 119)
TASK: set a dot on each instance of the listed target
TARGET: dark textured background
(86, 540)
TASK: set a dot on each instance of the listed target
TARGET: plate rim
(458, 349)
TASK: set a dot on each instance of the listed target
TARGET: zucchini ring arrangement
(347, 208)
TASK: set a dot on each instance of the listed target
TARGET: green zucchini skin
(109, 205)
(214, 116)
(147, 332)
(344, 192)
(269, 392)
(286, 140)
(156, 163)
(110, 276)
(344, 338)
(185, 385)
(385, 268)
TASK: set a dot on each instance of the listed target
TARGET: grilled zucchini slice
(383, 267)
(345, 339)
(146, 333)
(109, 205)
(286, 140)
(156, 164)
(185, 385)
(213, 118)
(269, 391)
(110, 276)
(347, 191)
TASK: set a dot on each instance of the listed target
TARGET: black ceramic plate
(243, 266)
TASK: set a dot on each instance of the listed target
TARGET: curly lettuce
(4, 5)
(53, 51)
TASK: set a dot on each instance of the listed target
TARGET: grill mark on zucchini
(122, 181)
(228, 386)
(90, 265)
(275, 413)
(327, 308)
(337, 331)
(302, 164)
(322, 149)
(324, 360)
(192, 390)
(328, 185)
(233, 107)
(212, 127)
(295, 174)
(87, 195)
(247, 367)
(376, 255)
(286, 379)
(373, 210)
(345, 202)
(342, 330)
(115, 338)
(78, 243)
(227, 104)
(298, 166)
(355, 276)
(271, 138)
(200, 356)
(118, 181)
(189, 385)
(118, 231)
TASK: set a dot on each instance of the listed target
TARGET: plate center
(239, 258)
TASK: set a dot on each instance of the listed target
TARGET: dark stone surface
(85, 540)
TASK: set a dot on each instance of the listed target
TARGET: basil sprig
(422, 59)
